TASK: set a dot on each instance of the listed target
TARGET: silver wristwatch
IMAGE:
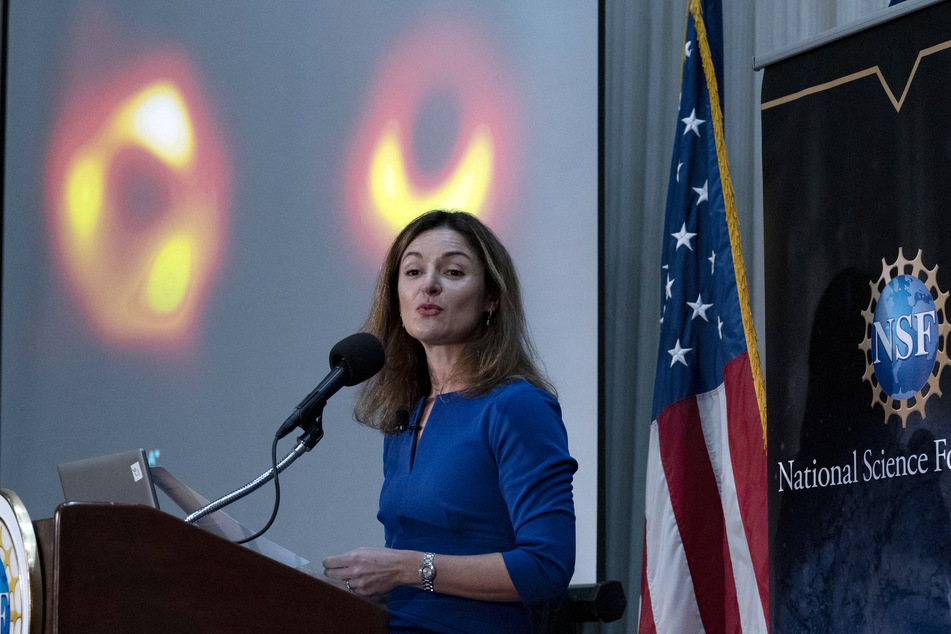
(427, 571)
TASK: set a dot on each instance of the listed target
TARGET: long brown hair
(500, 350)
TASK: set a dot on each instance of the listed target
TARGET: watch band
(427, 571)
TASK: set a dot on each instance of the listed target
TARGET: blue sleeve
(535, 472)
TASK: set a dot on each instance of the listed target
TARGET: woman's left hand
(371, 572)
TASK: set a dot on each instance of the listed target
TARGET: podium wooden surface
(131, 568)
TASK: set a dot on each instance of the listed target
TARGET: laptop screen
(118, 477)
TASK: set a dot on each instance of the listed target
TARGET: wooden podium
(121, 568)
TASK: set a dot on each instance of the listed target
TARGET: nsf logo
(906, 336)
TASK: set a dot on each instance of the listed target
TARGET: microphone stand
(313, 432)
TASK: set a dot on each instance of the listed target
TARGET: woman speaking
(476, 501)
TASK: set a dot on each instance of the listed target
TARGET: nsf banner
(857, 195)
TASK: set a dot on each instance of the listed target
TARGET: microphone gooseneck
(353, 360)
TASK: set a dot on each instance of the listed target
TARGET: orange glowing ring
(137, 197)
(385, 189)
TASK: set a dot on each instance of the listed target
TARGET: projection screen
(197, 197)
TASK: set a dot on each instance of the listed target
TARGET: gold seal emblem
(21, 589)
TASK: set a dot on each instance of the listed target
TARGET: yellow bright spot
(396, 199)
(157, 117)
(170, 275)
(84, 194)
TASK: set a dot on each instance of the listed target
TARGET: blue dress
(490, 474)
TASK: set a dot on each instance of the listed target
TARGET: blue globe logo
(904, 337)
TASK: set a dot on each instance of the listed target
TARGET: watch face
(427, 572)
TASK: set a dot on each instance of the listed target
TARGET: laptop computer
(126, 477)
(118, 477)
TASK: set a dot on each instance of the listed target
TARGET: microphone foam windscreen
(361, 356)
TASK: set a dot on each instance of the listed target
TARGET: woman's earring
(489, 318)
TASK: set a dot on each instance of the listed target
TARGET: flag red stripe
(695, 500)
(747, 448)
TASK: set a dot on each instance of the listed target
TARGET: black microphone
(402, 421)
(353, 360)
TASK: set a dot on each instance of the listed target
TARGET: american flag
(705, 535)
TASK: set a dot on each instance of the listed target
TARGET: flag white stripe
(673, 602)
(713, 420)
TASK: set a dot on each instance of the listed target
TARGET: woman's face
(441, 288)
